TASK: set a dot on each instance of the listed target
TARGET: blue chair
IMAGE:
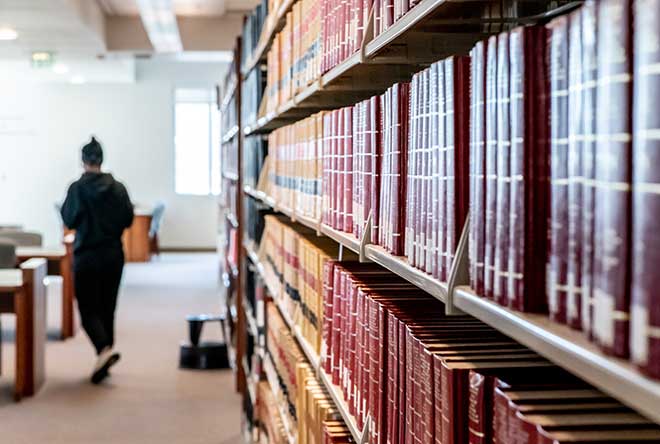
(156, 221)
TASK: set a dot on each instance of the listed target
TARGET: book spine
(437, 395)
(375, 134)
(589, 76)
(502, 215)
(477, 163)
(326, 350)
(462, 149)
(645, 316)
(434, 204)
(411, 201)
(557, 268)
(440, 177)
(575, 180)
(491, 167)
(348, 163)
(480, 409)
(613, 177)
(450, 164)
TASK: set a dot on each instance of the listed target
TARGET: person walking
(99, 209)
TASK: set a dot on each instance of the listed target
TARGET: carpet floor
(147, 399)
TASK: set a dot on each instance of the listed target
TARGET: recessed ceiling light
(78, 80)
(60, 68)
(7, 33)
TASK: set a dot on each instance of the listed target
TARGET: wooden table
(23, 293)
(60, 262)
(136, 238)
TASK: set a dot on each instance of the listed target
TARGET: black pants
(97, 277)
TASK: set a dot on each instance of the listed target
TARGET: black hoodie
(99, 209)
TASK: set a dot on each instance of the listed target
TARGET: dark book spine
(529, 168)
(557, 268)
(491, 168)
(477, 165)
(575, 179)
(613, 177)
(589, 76)
(462, 150)
(645, 300)
(502, 215)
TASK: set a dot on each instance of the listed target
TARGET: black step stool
(204, 355)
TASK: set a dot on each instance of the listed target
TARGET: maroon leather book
(348, 168)
(431, 233)
(327, 168)
(491, 168)
(575, 181)
(477, 165)
(441, 178)
(375, 129)
(341, 169)
(557, 268)
(501, 262)
(529, 168)
(613, 176)
(328, 300)
(589, 14)
(401, 147)
(645, 299)
(412, 205)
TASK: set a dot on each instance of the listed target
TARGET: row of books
(309, 409)
(252, 30)
(255, 150)
(229, 157)
(293, 259)
(563, 182)
(295, 169)
(294, 59)
(343, 29)
(253, 87)
(419, 376)
(400, 157)
(319, 421)
(387, 12)
(269, 416)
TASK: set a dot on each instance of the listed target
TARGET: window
(196, 142)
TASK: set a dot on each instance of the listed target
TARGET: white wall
(43, 126)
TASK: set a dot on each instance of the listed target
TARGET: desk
(22, 292)
(136, 237)
(60, 262)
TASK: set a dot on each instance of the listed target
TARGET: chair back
(23, 238)
(156, 218)
(7, 253)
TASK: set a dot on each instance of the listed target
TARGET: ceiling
(193, 8)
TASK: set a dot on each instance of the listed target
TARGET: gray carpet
(147, 399)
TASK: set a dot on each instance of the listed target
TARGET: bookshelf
(383, 60)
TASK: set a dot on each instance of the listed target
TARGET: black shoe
(105, 361)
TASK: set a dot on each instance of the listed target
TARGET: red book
(575, 183)
(341, 168)
(434, 140)
(440, 177)
(348, 168)
(645, 300)
(328, 314)
(491, 168)
(529, 168)
(477, 166)
(613, 176)
(589, 13)
(500, 261)
(557, 269)
(425, 171)
(375, 129)
(411, 195)
(457, 81)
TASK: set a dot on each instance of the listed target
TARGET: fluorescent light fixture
(60, 68)
(159, 21)
(78, 80)
(7, 33)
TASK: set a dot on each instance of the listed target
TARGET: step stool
(205, 355)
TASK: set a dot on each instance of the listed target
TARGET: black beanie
(92, 153)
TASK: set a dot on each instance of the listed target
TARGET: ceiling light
(7, 34)
(78, 80)
(60, 68)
